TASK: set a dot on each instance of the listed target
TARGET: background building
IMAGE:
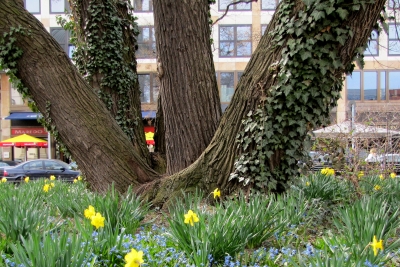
(374, 92)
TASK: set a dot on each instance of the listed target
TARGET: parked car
(8, 163)
(39, 168)
(390, 162)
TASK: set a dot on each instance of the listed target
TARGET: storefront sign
(34, 131)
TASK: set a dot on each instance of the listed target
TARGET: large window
(146, 43)
(373, 45)
(354, 86)
(269, 4)
(33, 6)
(228, 82)
(383, 85)
(143, 5)
(235, 41)
(241, 6)
(149, 86)
(62, 37)
(394, 85)
(58, 6)
(394, 39)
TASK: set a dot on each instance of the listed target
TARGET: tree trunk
(216, 163)
(105, 56)
(189, 92)
(99, 146)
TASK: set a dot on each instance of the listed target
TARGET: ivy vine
(275, 134)
(102, 51)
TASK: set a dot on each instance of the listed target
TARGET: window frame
(236, 77)
(148, 44)
(234, 7)
(66, 46)
(397, 39)
(235, 40)
(369, 43)
(393, 7)
(141, 10)
(40, 7)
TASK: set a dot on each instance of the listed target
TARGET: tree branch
(229, 5)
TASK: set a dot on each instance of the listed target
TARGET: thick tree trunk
(214, 166)
(99, 146)
(189, 93)
(107, 59)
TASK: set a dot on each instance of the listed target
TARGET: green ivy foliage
(274, 135)
(103, 51)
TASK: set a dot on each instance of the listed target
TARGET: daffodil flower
(134, 258)
(307, 183)
(376, 245)
(377, 187)
(381, 177)
(393, 175)
(89, 212)
(4, 180)
(75, 181)
(79, 178)
(52, 177)
(52, 184)
(191, 218)
(217, 193)
(26, 179)
(327, 171)
(97, 220)
(360, 174)
(46, 188)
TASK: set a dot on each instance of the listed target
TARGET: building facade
(374, 91)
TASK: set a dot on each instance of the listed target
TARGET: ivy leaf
(342, 13)
(329, 10)
(305, 55)
(317, 15)
(308, 2)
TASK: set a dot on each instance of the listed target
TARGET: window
(52, 165)
(228, 82)
(370, 80)
(62, 37)
(143, 5)
(269, 4)
(235, 41)
(263, 28)
(16, 97)
(149, 87)
(146, 43)
(354, 86)
(373, 45)
(33, 6)
(58, 6)
(241, 6)
(393, 4)
(394, 85)
(394, 41)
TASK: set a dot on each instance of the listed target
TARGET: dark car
(39, 168)
(8, 163)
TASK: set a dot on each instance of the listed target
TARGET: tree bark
(102, 150)
(123, 101)
(213, 167)
(189, 92)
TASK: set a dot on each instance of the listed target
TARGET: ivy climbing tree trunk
(189, 92)
(102, 150)
(291, 82)
(105, 55)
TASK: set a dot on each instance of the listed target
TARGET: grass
(321, 221)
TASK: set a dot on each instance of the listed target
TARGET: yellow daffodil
(377, 187)
(381, 177)
(52, 177)
(26, 179)
(97, 220)
(307, 183)
(52, 184)
(4, 179)
(191, 217)
(217, 193)
(79, 178)
(89, 212)
(376, 245)
(46, 188)
(75, 181)
(327, 171)
(393, 175)
(360, 174)
(134, 258)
